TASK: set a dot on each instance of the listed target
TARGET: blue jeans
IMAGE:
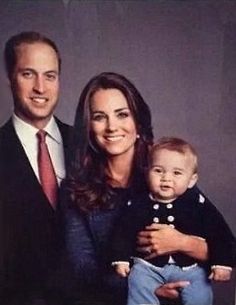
(144, 278)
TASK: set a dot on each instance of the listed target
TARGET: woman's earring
(138, 136)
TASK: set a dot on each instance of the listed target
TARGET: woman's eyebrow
(120, 109)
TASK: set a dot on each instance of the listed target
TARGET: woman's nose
(111, 124)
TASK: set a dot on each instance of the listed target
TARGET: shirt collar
(158, 200)
(26, 131)
(53, 130)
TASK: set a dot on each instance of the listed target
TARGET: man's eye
(27, 74)
(51, 77)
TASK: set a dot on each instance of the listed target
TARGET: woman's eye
(98, 117)
(123, 115)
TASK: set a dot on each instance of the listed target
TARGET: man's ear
(193, 180)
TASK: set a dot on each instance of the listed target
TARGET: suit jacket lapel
(19, 165)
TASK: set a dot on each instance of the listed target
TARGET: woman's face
(112, 123)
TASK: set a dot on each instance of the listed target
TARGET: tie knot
(41, 134)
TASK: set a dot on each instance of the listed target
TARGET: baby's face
(170, 174)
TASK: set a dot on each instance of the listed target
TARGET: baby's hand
(122, 269)
(220, 274)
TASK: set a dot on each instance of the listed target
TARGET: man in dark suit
(30, 231)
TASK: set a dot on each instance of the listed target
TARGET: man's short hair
(10, 51)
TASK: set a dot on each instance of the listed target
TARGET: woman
(112, 135)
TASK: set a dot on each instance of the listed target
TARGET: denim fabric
(145, 278)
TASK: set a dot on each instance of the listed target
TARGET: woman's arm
(159, 239)
(79, 247)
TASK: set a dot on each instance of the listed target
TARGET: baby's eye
(177, 173)
(157, 170)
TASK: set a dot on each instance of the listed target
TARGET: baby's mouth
(165, 187)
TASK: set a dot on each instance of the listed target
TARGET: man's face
(35, 83)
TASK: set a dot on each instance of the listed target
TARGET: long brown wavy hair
(87, 181)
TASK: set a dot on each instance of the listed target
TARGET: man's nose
(39, 85)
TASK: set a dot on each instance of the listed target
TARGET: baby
(173, 199)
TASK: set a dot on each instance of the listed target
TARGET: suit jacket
(30, 237)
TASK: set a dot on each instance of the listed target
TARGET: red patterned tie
(46, 171)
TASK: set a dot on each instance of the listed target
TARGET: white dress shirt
(28, 138)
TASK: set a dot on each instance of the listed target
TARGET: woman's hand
(159, 239)
(171, 290)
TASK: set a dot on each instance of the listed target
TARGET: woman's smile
(112, 124)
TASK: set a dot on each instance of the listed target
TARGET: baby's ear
(193, 180)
